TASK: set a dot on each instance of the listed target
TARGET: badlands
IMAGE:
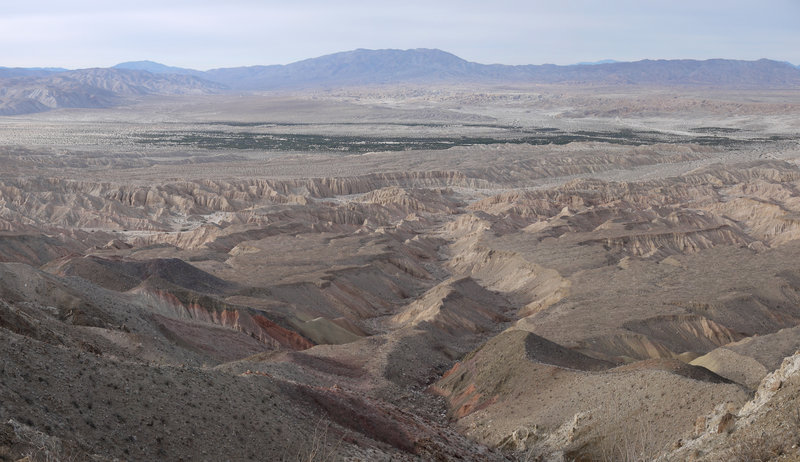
(474, 273)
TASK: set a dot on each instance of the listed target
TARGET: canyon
(453, 271)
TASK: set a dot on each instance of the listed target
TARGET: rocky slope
(764, 428)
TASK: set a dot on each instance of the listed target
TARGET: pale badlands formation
(602, 274)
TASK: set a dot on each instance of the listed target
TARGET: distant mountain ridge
(375, 67)
(32, 90)
(23, 93)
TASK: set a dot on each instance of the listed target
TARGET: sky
(202, 34)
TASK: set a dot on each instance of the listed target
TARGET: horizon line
(596, 62)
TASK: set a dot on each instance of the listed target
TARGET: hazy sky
(205, 34)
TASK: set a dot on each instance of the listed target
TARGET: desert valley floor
(454, 273)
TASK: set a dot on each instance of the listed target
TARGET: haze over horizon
(204, 35)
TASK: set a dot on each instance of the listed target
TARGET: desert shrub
(319, 447)
(759, 448)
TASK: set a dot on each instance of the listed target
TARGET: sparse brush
(637, 444)
(317, 449)
(794, 418)
(43, 447)
(758, 448)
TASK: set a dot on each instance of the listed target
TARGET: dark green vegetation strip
(219, 139)
(715, 130)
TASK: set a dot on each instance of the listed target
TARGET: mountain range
(26, 90)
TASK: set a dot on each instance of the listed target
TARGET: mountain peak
(155, 68)
(592, 63)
